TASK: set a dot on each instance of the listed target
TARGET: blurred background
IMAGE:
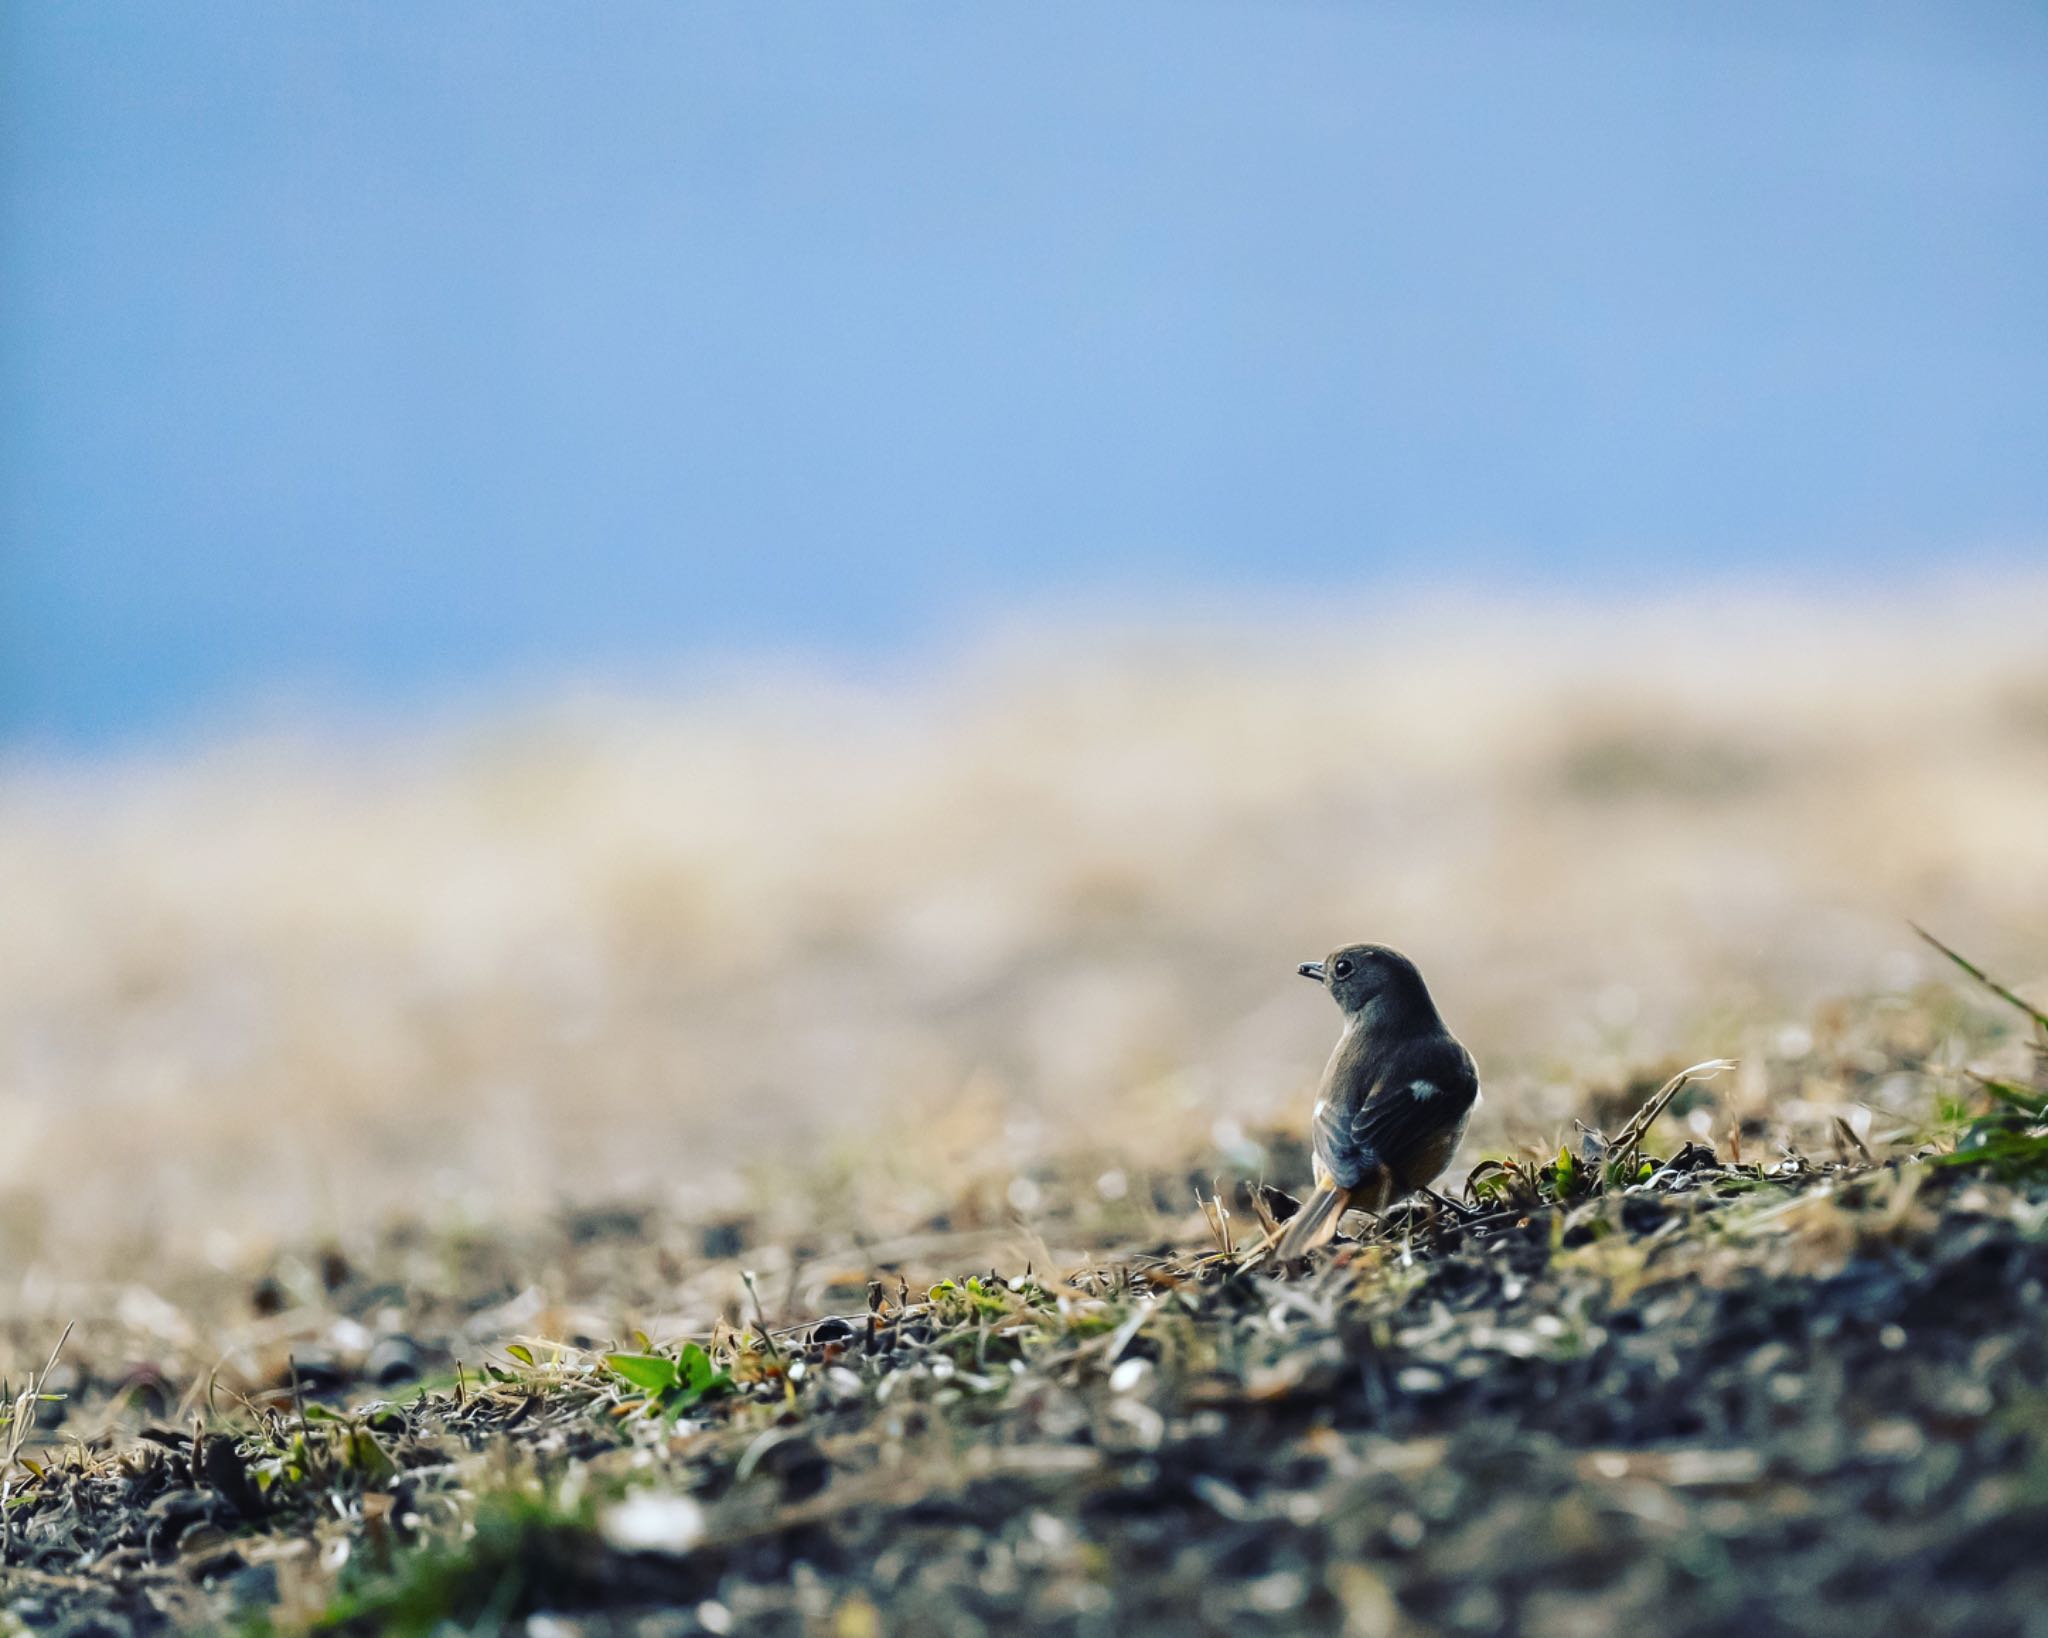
(590, 603)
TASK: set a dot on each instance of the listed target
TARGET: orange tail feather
(1314, 1223)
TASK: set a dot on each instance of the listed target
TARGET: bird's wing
(1422, 1088)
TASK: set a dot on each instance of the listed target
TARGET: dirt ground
(1630, 1387)
(732, 1164)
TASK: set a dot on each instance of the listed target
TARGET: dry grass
(1632, 1390)
(906, 1054)
(1043, 899)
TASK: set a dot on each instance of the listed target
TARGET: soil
(1724, 1399)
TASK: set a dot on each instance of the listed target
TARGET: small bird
(1394, 1097)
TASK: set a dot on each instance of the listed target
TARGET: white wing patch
(1422, 1090)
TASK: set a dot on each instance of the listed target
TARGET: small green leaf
(2034, 1105)
(689, 1398)
(695, 1367)
(365, 1456)
(650, 1373)
(520, 1352)
(2008, 1154)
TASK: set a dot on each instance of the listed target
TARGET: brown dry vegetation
(365, 1058)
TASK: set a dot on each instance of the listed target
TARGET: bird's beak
(1311, 969)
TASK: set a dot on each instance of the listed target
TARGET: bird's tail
(1314, 1223)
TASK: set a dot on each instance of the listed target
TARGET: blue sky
(382, 353)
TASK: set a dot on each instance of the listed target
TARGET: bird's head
(1370, 978)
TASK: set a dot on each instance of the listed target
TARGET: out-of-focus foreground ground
(1047, 899)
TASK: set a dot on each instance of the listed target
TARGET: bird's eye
(1343, 968)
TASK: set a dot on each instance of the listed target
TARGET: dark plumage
(1394, 1098)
